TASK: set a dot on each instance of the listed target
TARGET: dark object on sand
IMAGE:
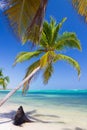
(20, 117)
(77, 128)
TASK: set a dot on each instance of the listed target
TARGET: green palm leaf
(47, 58)
(7, 79)
(47, 31)
(32, 67)
(50, 32)
(4, 85)
(23, 56)
(44, 60)
(43, 40)
(47, 73)
(70, 60)
(55, 30)
(29, 70)
(67, 40)
(1, 81)
(4, 81)
(26, 86)
(1, 74)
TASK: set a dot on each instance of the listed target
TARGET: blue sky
(65, 76)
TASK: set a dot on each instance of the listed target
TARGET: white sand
(67, 119)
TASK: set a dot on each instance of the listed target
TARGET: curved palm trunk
(18, 87)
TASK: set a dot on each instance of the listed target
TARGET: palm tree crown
(3, 80)
(51, 43)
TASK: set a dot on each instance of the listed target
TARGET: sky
(64, 76)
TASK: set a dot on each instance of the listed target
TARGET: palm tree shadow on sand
(77, 128)
(34, 117)
(31, 115)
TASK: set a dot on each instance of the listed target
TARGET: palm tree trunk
(18, 87)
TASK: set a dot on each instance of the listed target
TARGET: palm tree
(51, 43)
(3, 80)
(26, 16)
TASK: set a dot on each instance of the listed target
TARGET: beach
(48, 110)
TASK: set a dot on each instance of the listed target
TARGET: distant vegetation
(4, 80)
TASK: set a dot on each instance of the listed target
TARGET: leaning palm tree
(3, 80)
(26, 16)
(51, 43)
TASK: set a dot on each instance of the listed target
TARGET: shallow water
(75, 99)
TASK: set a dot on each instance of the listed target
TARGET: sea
(52, 98)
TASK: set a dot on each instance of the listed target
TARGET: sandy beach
(52, 119)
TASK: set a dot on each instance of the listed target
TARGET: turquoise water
(56, 98)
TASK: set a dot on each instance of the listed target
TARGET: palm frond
(4, 85)
(26, 86)
(47, 73)
(44, 60)
(1, 74)
(29, 70)
(68, 40)
(1, 81)
(47, 31)
(23, 56)
(7, 79)
(25, 17)
(43, 40)
(70, 60)
(81, 7)
(50, 32)
(56, 29)
(52, 22)
(33, 31)
(32, 67)
(47, 58)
